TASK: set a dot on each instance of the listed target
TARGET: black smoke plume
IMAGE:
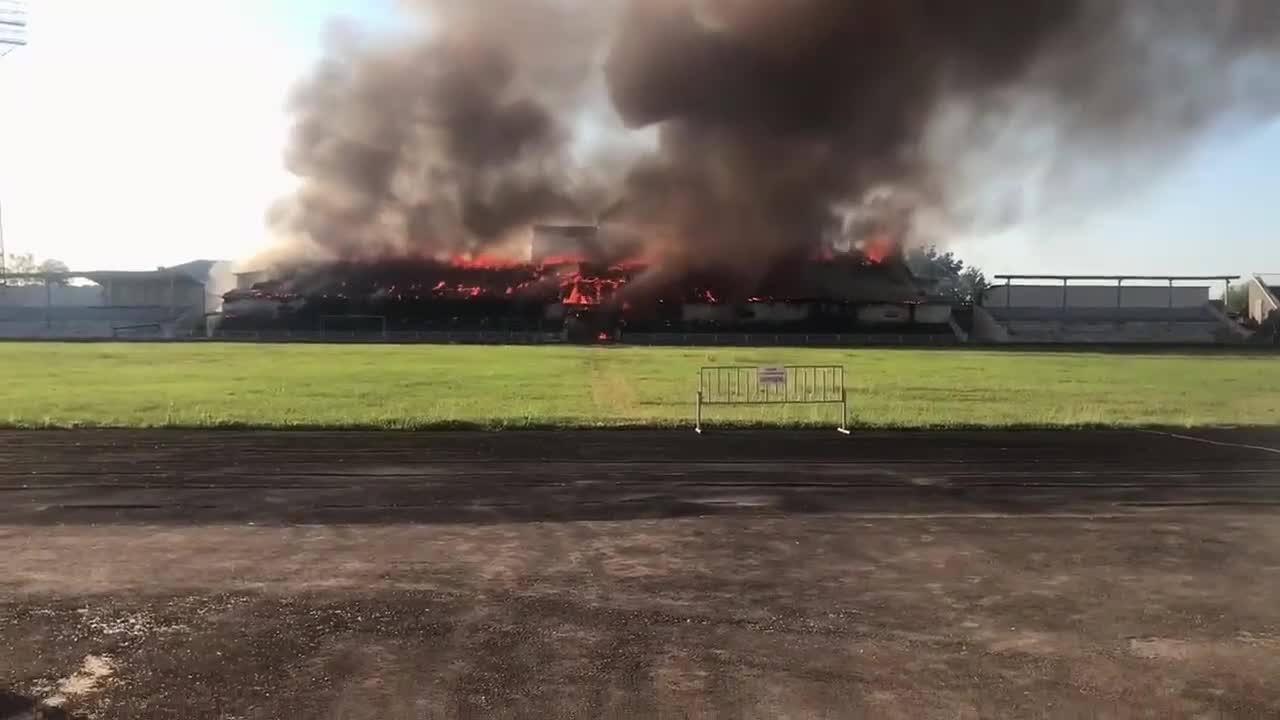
(766, 123)
(443, 141)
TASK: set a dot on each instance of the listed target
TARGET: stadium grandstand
(164, 303)
(1107, 309)
(576, 287)
(837, 303)
(846, 300)
(1262, 307)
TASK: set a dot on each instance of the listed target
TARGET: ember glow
(569, 281)
(574, 299)
(879, 246)
(578, 284)
(590, 291)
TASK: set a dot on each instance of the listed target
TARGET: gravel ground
(913, 575)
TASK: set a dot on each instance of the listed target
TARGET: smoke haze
(774, 121)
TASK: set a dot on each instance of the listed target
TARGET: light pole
(13, 25)
(3, 270)
(13, 35)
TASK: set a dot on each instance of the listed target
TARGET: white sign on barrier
(772, 375)
(772, 385)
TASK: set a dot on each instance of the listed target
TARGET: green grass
(216, 385)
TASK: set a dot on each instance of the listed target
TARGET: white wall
(1262, 302)
(1096, 296)
(884, 314)
(933, 314)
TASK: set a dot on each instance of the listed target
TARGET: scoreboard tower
(13, 35)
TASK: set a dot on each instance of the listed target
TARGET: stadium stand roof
(196, 270)
(1115, 278)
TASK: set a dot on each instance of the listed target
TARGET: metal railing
(518, 337)
(126, 331)
(753, 339)
(740, 385)
(477, 337)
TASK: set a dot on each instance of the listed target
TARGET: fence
(354, 324)
(793, 339)
(772, 385)
(121, 332)
(519, 337)
(478, 337)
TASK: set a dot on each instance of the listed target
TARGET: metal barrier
(477, 337)
(529, 337)
(327, 320)
(772, 385)
(791, 339)
(115, 331)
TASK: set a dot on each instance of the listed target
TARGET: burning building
(717, 145)
(567, 291)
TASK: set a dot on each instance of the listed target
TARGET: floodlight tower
(13, 35)
(13, 25)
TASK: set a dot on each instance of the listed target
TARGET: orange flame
(877, 248)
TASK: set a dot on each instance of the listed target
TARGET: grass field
(151, 385)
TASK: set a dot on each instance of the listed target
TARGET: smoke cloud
(445, 140)
(774, 121)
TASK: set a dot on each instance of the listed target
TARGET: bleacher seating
(1177, 325)
(1201, 313)
(86, 322)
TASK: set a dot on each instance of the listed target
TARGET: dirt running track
(590, 575)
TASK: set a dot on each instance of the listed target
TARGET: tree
(19, 264)
(26, 264)
(55, 266)
(23, 264)
(953, 278)
(1237, 299)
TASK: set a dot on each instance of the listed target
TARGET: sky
(143, 133)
